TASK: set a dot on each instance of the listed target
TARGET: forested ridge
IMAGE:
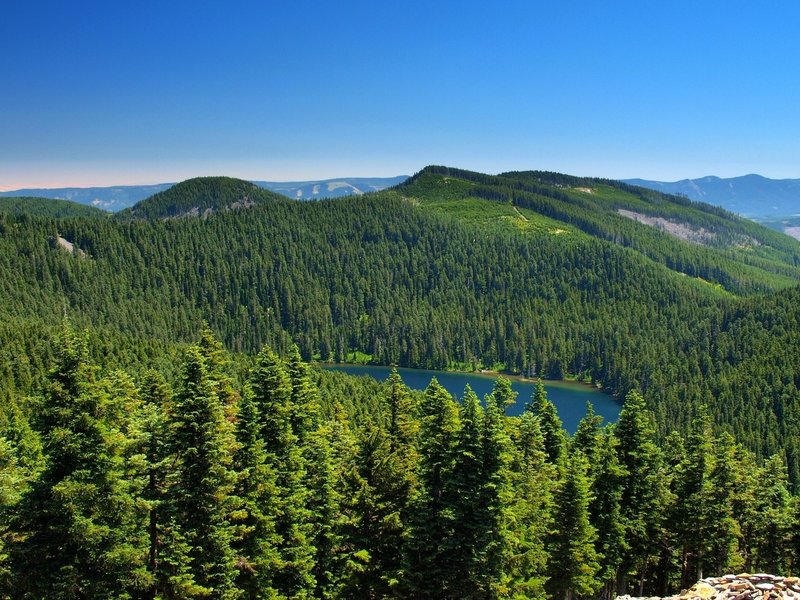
(199, 196)
(47, 207)
(281, 482)
(431, 275)
(321, 485)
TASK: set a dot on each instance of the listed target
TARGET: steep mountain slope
(695, 239)
(750, 195)
(532, 272)
(201, 196)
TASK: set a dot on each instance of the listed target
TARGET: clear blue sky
(143, 92)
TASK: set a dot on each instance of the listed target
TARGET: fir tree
(502, 394)
(12, 486)
(641, 506)
(200, 501)
(494, 541)
(605, 510)
(321, 497)
(376, 496)
(272, 395)
(549, 423)
(77, 521)
(587, 435)
(400, 411)
(723, 529)
(573, 559)
(468, 543)
(156, 396)
(427, 549)
(256, 489)
(533, 478)
(773, 519)
(323, 508)
(691, 513)
(304, 398)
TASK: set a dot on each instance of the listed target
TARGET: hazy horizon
(115, 183)
(114, 94)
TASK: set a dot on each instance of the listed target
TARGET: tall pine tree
(427, 550)
(640, 507)
(77, 522)
(199, 500)
(272, 395)
(573, 559)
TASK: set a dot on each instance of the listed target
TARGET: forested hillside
(46, 207)
(277, 482)
(199, 197)
(536, 273)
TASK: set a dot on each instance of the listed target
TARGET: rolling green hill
(200, 196)
(47, 207)
(692, 238)
(536, 273)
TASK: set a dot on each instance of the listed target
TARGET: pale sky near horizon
(148, 92)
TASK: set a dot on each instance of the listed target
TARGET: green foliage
(272, 395)
(228, 492)
(77, 522)
(470, 527)
(46, 207)
(403, 277)
(261, 477)
(200, 197)
(427, 571)
(256, 488)
(573, 558)
(533, 478)
(605, 509)
(693, 499)
(199, 501)
(549, 423)
(401, 412)
(376, 498)
(723, 530)
(641, 504)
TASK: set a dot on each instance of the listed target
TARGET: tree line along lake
(570, 397)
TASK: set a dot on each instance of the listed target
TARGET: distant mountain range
(752, 196)
(331, 188)
(774, 202)
(107, 198)
(119, 197)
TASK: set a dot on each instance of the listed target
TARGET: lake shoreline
(569, 396)
(488, 373)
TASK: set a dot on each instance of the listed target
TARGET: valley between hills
(164, 433)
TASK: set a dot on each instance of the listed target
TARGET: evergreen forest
(164, 434)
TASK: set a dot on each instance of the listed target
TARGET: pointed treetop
(470, 409)
(586, 437)
(549, 422)
(502, 394)
(210, 347)
(434, 398)
(539, 399)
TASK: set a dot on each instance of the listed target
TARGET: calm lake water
(569, 397)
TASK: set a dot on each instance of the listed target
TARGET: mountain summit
(200, 196)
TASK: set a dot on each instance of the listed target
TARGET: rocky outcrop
(738, 587)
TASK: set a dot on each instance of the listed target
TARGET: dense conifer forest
(138, 461)
(299, 484)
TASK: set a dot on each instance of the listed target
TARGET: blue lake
(569, 397)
